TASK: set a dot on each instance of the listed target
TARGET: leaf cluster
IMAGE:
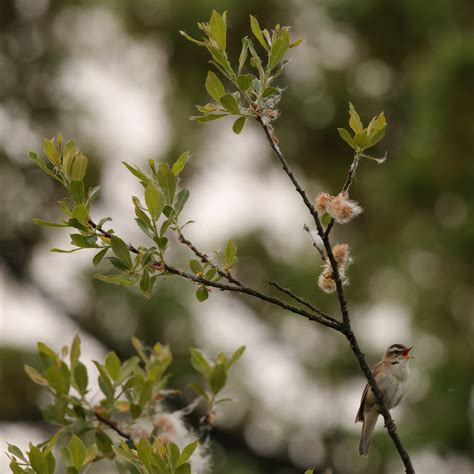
(252, 79)
(364, 138)
(130, 390)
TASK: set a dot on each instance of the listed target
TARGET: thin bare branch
(318, 316)
(112, 425)
(297, 298)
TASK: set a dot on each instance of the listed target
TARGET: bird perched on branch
(392, 374)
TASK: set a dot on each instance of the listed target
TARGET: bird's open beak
(406, 353)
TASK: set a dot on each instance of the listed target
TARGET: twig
(112, 425)
(288, 292)
(350, 176)
(345, 327)
(318, 315)
(313, 242)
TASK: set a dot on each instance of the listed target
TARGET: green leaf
(187, 452)
(255, 27)
(81, 214)
(50, 152)
(183, 469)
(81, 378)
(135, 410)
(144, 223)
(346, 136)
(84, 242)
(230, 253)
(77, 225)
(66, 456)
(120, 249)
(59, 378)
(235, 356)
(361, 141)
(180, 163)
(138, 346)
(47, 355)
(221, 59)
(37, 460)
(79, 167)
(15, 468)
(92, 194)
(207, 118)
(145, 453)
(127, 368)
(103, 441)
(376, 138)
(173, 451)
(270, 91)
(154, 201)
(189, 38)
(16, 451)
(218, 378)
(76, 191)
(195, 266)
(279, 48)
(112, 364)
(145, 281)
(146, 393)
(105, 383)
(69, 153)
(326, 219)
(238, 125)
(296, 43)
(214, 87)
(181, 200)
(47, 223)
(200, 362)
(354, 120)
(35, 376)
(199, 389)
(218, 29)
(245, 81)
(119, 280)
(99, 256)
(91, 454)
(42, 165)
(136, 172)
(167, 182)
(202, 294)
(78, 451)
(243, 54)
(230, 104)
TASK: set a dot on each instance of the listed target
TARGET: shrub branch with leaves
(253, 95)
(127, 423)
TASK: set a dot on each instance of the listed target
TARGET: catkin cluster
(340, 207)
(343, 259)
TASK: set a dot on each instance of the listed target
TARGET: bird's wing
(367, 395)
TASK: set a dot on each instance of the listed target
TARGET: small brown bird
(392, 374)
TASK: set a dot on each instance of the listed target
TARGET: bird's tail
(368, 425)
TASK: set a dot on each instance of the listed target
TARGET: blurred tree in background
(117, 76)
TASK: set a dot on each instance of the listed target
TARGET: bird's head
(397, 353)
